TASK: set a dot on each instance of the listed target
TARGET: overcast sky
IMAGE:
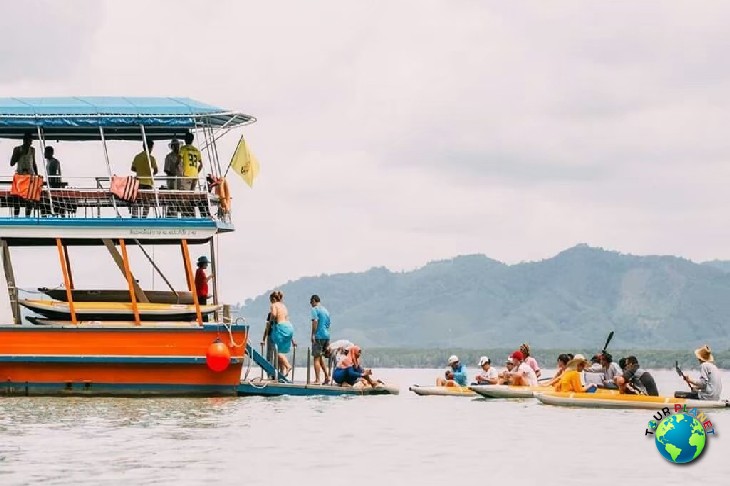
(392, 133)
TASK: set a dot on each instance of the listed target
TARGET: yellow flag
(244, 163)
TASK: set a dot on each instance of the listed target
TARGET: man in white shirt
(488, 375)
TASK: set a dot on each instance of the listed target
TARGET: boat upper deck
(37, 206)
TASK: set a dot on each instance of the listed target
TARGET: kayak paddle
(681, 375)
(605, 346)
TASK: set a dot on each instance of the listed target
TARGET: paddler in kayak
(562, 362)
(610, 370)
(523, 375)
(634, 380)
(570, 379)
(709, 384)
(488, 375)
(455, 373)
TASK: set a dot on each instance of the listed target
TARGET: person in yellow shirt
(144, 167)
(192, 163)
(570, 379)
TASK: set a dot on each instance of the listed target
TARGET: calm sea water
(341, 440)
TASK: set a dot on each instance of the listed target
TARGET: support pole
(66, 280)
(68, 266)
(10, 279)
(119, 260)
(152, 175)
(191, 280)
(130, 282)
(109, 171)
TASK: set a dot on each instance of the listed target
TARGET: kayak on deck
(450, 391)
(603, 400)
(508, 391)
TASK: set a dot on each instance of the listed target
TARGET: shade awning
(79, 118)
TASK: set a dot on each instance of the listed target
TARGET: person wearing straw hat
(455, 373)
(488, 375)
(709, 384)
(570, 379)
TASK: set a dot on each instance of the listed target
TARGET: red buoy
(218, 356)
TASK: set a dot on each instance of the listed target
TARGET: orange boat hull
(124, 360)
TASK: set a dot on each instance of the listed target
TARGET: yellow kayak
(450, 391)
(100, 311)
(616, 400)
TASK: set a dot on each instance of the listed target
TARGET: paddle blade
(605, 346)
(677, 369)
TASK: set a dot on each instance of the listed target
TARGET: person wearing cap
(455, 373)
(634, 380)
(523, 375)
(532, 362)
(201, 282)
(570, 379)
(709, 384)
(320, 337)
(488, 375)
(506, 374)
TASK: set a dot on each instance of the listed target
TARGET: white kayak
(600, 400)
(507, 391)
(444, 391)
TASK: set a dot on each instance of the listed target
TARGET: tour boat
(87, 349)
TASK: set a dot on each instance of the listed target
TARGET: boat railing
(92, 197)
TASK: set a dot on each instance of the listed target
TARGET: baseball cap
(453, 359)
(484, 360)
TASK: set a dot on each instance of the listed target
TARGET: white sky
(392, 133)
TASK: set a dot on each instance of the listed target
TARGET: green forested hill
(570, 300)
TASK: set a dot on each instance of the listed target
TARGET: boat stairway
(265, 364)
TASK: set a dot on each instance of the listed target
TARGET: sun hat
(578, 358)
(484, 360)
(518, 356)
(704, 354)
(453, 359)
(203, 259)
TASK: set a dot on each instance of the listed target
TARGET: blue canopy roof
(80, 118)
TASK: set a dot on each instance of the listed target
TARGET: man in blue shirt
(320, 337)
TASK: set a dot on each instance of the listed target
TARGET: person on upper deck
(455, 374)
(201, 283)
(709, 384)
(192, 163)
(53, 168)
(282, 333)
(145, 167)
(173, 165)
(23, 157)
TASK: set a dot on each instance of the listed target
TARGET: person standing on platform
(320, 337)
(201, 282)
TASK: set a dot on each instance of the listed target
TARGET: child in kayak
(455, 374)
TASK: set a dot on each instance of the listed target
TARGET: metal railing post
(293, 362)
(309, 357)
(158, 209)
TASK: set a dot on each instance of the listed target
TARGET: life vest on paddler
(125, 188)
(27, 186)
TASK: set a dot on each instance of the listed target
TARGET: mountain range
(570, 300)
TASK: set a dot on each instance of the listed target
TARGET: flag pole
(233, 158)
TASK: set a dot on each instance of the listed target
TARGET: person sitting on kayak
(634, 380)
(570, 379)
(349, 372)
(523, 375)
(709, 384)
(595, 366)
(488, 375)
(506, 374)
(455, 374)
(532, 362)
(562, 363)
(610, 370)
